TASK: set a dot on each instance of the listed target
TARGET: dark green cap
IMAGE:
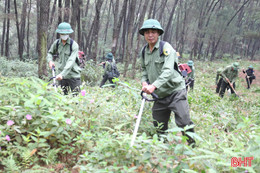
(151, 24)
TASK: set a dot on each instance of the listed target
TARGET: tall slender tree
(129, 44)
(7, 30)
(4, 28)
(116, 30)
(43, 18)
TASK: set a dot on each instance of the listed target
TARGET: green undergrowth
(92, 132)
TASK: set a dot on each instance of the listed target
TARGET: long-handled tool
(144, 98)
(232, 87)
(53, 78)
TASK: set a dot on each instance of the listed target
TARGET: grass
(103, 121)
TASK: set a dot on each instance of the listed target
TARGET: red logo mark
(237, 162)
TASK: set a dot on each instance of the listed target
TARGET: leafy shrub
(35, 117)
(18, 68)
(92, 131)
(92, 73)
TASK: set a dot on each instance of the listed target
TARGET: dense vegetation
(44, 131)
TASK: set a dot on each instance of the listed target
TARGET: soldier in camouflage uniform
(229, 74)
(160, 76)
(108, 69)
(68, 68)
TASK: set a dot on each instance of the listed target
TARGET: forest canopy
(203, 30)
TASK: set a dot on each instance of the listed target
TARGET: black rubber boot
(190, 140)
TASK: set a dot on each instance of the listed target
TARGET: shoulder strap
(58, 41)
(143, 51)
(57, 45)
(161, 45)
(71, 42)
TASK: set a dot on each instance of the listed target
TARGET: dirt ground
(241, 75)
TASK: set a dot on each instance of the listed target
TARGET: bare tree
(79, 22)
(215, 47)
(7, 30)
(53, 10)
(4, 27)
(28, 28)
(96, 26)
(137, 50)
(43, 16)
(131, 13)
(22, 27)
(116, 30)
(84, 23)
(166, 36)
(67, 11)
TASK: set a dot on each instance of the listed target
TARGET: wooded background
(201, 29)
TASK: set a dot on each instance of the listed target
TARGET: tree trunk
(43, 16)
(22, 27)
(129, 36)
(166, 36)
(163, 5)
(84, 30)
(59, 14)
(28, 29)
(67, 11)
(18, 31)
(53, 10)
(137, 50)
(79, 23)
(4, 27)
(225, 29)
(7, 31)
(108, 20)
(123, 39)
(154, 9)
(151, 9)
(73, 22)
(116, 30)
(96, 30)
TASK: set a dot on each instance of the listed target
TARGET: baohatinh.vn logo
(237, 162)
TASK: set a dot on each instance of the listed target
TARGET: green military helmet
(151, 24)
(251, 67)
(109, 56)
(219, 70)
(64, 28)
(235, 65)
(190, 63)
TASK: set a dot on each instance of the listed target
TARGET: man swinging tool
(229, 74)
(160, 68)
(65, 51)
(250, 76)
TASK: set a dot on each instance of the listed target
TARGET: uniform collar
(156, 46)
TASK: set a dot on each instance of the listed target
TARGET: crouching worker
(250, 76)
(219, 80)
(161, 75)
(108, 66)
(65, 52)
(229, 74)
